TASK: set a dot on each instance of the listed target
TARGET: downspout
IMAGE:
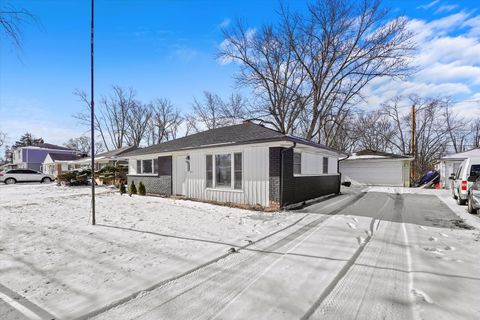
(281, 171)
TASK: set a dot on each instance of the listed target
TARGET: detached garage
(371, 167)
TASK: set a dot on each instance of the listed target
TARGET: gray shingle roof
(116, 152)
(247, 132)
(368, 152)
(63, 156)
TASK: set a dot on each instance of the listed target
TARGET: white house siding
(312, 163)
(254, 183)
(374, 172)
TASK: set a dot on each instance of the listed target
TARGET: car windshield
(475, 170)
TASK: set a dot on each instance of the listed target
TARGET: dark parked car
(24, 175)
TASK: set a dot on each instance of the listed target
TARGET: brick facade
(153, 184)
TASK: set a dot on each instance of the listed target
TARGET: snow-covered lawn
(52, 256)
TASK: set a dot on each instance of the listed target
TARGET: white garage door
(373, 172)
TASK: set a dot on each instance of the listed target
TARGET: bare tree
(3, 137)
(318, 64)
(431, 132)
(11, 20)
(475, 129)
(214, 112)
(374, 131)
(83, 144)
(456, 127)
(164, 123)
(111, 116)
(137, 119)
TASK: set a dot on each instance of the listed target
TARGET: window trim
(232, 172)
(140, 172)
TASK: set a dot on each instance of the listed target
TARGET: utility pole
(412, 146)
(92, 116)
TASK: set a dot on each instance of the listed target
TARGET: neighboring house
(451, 163)
(32, 157)
(246, 163)
(57, 163)
(110, 158)
(371, 167)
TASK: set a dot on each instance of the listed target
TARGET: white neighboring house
(451, 163)
(57, 163)
(369, 167)
(245, 163)
(104, 159)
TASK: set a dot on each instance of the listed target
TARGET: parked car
(469, 167)
(24, 175)
(474, 195)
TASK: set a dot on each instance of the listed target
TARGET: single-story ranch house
(245, 163)
(372, 167)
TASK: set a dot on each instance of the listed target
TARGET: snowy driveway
(364, 255)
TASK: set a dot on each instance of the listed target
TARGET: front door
(180, 175)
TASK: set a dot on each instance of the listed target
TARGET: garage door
(373, 172)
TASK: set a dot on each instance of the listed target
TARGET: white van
(469, 167)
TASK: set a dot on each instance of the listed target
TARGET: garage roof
(373, 154)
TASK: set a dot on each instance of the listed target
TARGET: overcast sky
(167, 48)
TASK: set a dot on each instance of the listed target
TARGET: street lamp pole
(92, 116)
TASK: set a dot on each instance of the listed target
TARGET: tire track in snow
(371, 275)
(240, 271)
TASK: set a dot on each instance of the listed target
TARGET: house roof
(63, 156)
(51, 146)
(474, 153)
(372, 154)
(116, 152)
(244, 133)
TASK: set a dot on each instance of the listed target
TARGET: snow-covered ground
(385, 253)
(52, 256)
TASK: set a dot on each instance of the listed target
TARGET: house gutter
(281, 171)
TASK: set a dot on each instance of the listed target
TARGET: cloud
(225, 23)
(184, 53)
(446, 8)
(428, 5)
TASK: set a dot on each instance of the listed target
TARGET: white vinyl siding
(313, 164)
(254, 183)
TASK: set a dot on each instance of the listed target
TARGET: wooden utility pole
(92, 116)
(412, 147)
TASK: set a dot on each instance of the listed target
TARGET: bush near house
(132, 189)
(74, 178)
(112, 175)
(141, 189)
(122, 188)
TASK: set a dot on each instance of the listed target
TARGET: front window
(209, 171)
(147, 166)
(297, 163)
(155, 166)
(223, 170)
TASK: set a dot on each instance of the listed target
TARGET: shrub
(141, 189)
(123, 190)
(132, 189)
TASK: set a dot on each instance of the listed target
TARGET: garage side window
(325, 165)
(297, 163)
(209, 168)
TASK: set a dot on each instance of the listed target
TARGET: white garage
(370, 167)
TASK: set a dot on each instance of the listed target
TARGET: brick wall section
(274, 176)
(161, 184)
(158, 185)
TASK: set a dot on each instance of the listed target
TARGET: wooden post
(412, 147)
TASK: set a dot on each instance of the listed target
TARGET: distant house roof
(474, 153)
(245, 133)
(63, 156)
(49, 146)
(372, 154)
(116, 152)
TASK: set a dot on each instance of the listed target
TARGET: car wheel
(470, 209)
(46, 180)
(10, 181)
(460, 201)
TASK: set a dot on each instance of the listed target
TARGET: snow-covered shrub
(141, 189)
(132, 189)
